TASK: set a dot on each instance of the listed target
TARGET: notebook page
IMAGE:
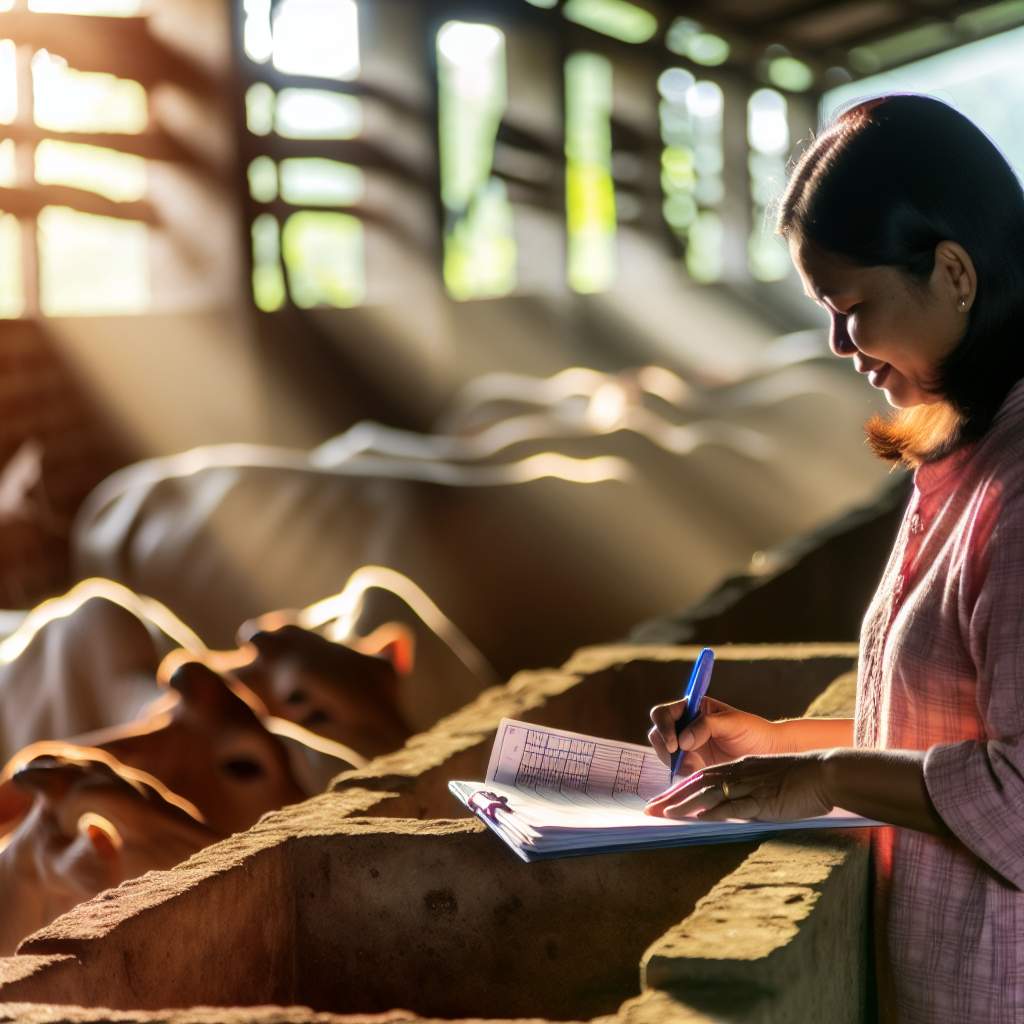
(568, 766)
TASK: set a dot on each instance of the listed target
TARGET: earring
(963, 302)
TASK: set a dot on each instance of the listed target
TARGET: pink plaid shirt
(942, 670)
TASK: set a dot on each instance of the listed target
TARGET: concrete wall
(373, 896)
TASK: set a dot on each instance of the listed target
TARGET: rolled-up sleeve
(977, 786)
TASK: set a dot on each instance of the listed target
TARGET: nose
(839, 338)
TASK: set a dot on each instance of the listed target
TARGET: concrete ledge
(790, 916)
(34, 1013)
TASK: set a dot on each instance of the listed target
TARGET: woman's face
(896, 330)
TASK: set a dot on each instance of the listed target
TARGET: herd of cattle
(546, 515)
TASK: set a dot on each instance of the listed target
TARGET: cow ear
(200, 686)
(102, 834)
(393, 641)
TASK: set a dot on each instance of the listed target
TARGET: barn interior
(454, 335)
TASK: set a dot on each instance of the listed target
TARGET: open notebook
(550, 793)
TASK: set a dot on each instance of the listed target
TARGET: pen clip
(490, 808)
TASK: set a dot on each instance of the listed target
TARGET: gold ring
(725, 790)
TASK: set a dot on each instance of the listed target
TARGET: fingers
(680, 792)
(691, 762)
(655, 740)
(671, 794)
(663, 735)
(762, 788)
(692, 805)
(703, 791)
(696, 734)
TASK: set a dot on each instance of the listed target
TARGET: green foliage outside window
(323, 257)
(589, 187)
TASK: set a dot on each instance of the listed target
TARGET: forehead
(825, 274)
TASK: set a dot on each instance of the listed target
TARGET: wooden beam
(27, 202)
(773, 25)
(385, 220)
(361, 152)
(119, 46)
(922, 17)
(361, 88)
(153, 145)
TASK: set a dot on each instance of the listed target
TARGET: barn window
(768, 145)
(589, 188)
(307, 235)
(81, 225)
(692, 162)
(479, 245)
(72, 237)
(616, 18)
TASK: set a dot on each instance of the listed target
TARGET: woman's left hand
(763, 787)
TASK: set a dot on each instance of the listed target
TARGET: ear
(103, 836)
(393, 641)
(200, 686)
(268, 622)
(955, 273)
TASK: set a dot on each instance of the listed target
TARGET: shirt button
(916, 525)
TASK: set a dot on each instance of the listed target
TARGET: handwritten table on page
(533, 757)
(552, 793)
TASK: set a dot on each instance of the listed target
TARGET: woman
(906, 225)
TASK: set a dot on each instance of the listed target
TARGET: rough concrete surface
(838, 700)
(792, 913)
(589, 660)
(34, 1013)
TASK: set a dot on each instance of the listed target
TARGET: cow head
(88, 823)
(205, 740)
(332, 689)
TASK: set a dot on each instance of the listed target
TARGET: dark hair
(889, 179)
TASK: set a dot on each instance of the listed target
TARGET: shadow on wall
(814, 588)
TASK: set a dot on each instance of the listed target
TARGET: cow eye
(242, 768)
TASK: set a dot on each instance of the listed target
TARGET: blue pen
(700, 677)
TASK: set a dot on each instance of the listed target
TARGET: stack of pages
(550, 793)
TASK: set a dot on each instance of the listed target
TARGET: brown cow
(304, 678)
(205, 740)
(82, 822)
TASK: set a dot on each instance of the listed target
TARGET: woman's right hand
(719, 733)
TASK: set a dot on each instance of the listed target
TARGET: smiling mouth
(876, 378)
